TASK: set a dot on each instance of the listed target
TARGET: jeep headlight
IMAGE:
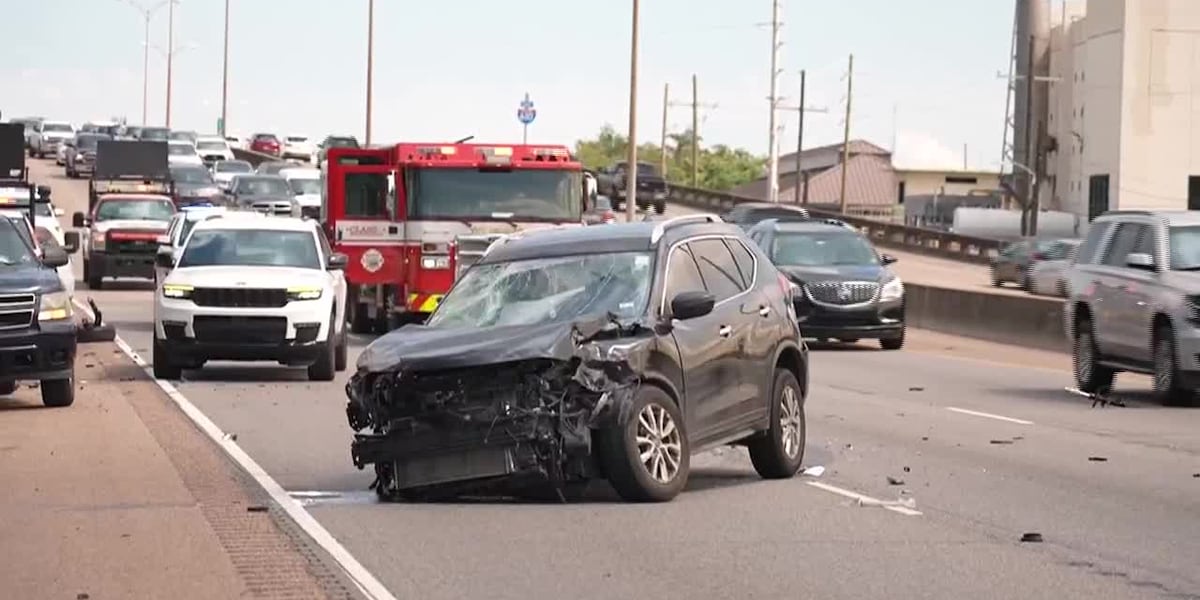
(892, 290)
(55, 306)
(97, 240)
(435, 262)
(303, 292)
(177, 291)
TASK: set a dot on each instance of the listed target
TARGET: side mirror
(54, 257)
(1138, 260)
(58, 212)
(78, 220)
(43, 193)
(337, 262)
(888, 259)
(71, 242)
(165, 258)
(689, 305)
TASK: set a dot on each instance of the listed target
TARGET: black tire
(339, 355)
(848, 340)
(8, 388)
(1090, 376)
(779, 453)
(94, 280)
(996, 281)
(164, 367)
(359, 322)
(618, 450)
(892, 343)
(58, 393)
(1024, 283)
(1167, 383)
(660, 207)
(325, 367)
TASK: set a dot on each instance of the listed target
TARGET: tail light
(609, 217)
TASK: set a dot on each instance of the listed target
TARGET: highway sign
(526, 113)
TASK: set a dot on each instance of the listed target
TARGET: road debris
(256, 508)
(1032, 537)
(1097, 459)
(1100, 398)
(894, 480)
(1001, 442)
(907, 470)
(909, 503)
(916, 389)
(230, 437)
(813, 471)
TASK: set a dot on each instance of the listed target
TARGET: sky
(925, 71)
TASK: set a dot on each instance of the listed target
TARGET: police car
(251, 289)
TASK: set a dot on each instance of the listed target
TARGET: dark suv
(847, 292)
(572, 354)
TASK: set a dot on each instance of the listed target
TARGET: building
(875, 187)
(1124, 130)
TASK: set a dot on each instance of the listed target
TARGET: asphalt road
(1123, 527)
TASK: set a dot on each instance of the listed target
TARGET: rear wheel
(1167, 383)
(1090, 376)
(778, 454)
(359, 320)
(646, 455)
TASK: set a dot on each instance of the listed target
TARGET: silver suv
(1133, 302)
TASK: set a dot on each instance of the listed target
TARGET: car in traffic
(333, 141)
(180, 226)
(305, 184)
(569, 354)
(154, 134)
(298, 147)
(651, 190)
(120, 235)
(273, 167)
(845, 289)
(47, 136)
(1047, 277)
(181, 152)
(37, 321)
(266, 143)
(213, 149)
(225, 170)
(1134, 303)
(81, 154)
(265, 193)
(1016, 260)
(600, 212)
(267, 289)
(748, 214)
(177, 135)
(42, 237)
(194, 185)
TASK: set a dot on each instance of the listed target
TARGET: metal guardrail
(943, 244)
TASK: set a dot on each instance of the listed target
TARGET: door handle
(725, 331)
(764, 311)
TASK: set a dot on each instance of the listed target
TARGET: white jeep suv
(267, 289)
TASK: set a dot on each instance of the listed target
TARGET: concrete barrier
(1028, 321)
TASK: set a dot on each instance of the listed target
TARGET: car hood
(127, 224)
(309, 199)
(248, 277)
(28, 278)
(416, 348)
(836, 273)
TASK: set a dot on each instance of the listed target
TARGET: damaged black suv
(569, 355)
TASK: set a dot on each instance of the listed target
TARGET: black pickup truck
(651, 186)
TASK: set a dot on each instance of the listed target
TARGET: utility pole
(631, 162)
(146, 69)
(662, 144)
(225, 77)
(1028, 221)
(846, 135)
(370, 63)
(773, 161)
(170, 54)
(695, 132)
(801, 109)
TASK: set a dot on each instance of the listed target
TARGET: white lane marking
(904, 510)
(362, 578)
(989, 416)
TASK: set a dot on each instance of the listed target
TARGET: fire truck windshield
(518, 194)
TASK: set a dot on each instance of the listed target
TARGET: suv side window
(1124, 242)
(682, 273)
(1145, 243)
(1086, 254)
(744, 260)
(718, 268)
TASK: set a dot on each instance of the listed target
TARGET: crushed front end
(506, 427)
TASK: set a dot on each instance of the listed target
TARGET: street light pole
(370, 62)
(147, 16)
(631, 169)
(225, 77)
(170, 55)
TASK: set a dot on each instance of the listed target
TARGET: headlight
(55, 306)
(892, 290)
(97, 240)
(177, 291)
(435, 262)
(304, 293)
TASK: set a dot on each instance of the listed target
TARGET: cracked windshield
(690, 299)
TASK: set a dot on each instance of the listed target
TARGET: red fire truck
(412, 217)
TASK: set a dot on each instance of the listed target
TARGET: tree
(720, 168)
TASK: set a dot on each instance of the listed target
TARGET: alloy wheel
(791, 422)
(658, 442)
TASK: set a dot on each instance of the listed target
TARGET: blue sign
(526, 113)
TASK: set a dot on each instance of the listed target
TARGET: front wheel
(1090, 376)
(325, 368)
(58, 393)
(646, 455)
(778, 454)
(164, 367)
(892, 343)
(1167, 384)
(339, 357)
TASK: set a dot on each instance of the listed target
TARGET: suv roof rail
(661, 228)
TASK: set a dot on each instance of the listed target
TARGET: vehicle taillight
(609, 217)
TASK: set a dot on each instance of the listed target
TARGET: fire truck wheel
(359, 323)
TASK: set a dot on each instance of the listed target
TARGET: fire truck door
(365, 221)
